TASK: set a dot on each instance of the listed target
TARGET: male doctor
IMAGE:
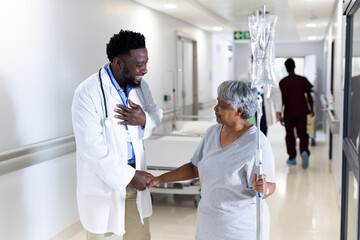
(112, 112)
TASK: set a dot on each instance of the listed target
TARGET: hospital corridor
(177, 120)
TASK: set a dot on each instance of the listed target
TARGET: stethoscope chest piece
(107, 122)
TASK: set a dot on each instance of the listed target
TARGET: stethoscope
(107, 120)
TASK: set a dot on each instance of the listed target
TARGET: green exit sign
(241, 35)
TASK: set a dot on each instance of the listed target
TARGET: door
(187, 83)
(350, 172)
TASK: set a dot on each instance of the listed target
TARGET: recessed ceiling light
(170, 6)
(311, 25)
(312, 38)
(217, 28)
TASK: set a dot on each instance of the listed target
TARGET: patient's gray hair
(239, 94)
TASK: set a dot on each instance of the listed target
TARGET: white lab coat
(101, 154)
(272, 105)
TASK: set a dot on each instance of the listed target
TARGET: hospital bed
(167, 151)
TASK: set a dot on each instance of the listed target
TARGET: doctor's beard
(130, 80)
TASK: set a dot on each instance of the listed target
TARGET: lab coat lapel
(134, 130)
(109, 86)
(134, 96)
(114, 93)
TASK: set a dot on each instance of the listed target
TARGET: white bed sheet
(165, 152)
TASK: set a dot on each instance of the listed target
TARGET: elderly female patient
(225, 163)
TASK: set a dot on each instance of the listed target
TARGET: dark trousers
(300, 125)
(263, 124)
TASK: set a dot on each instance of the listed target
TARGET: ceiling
(232, 15)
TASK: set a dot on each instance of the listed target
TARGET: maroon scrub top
(293, 89)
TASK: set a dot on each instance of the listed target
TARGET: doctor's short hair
(121, 43)
(239, 94)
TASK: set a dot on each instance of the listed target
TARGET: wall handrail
(36, 153)
(333, 121)
(324, 103)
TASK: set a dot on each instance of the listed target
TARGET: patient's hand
(259, 183)
(155, 181)
(149, 178)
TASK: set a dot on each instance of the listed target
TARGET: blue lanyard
(131, 153)
(118, 88)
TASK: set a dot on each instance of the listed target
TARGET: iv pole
(261, 37)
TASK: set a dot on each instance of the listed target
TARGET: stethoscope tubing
(102, 90)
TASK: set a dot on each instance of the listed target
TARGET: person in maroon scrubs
(296, 108)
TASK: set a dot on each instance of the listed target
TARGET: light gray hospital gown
(227, 209)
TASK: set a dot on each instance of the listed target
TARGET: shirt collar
(114, 82)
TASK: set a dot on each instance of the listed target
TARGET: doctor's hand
(130, 116)
(141, 179)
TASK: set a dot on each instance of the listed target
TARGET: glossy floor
(304, 205)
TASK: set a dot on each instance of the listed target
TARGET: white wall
(242, 58)
(47, 48)
(222, 63)
(39, 201)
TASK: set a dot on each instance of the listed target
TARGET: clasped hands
(143, 180)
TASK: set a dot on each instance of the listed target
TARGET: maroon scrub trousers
(293, 89)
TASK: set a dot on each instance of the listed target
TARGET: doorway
(187, 79)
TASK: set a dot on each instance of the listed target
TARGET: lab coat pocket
(134, 133)
(92, 185)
